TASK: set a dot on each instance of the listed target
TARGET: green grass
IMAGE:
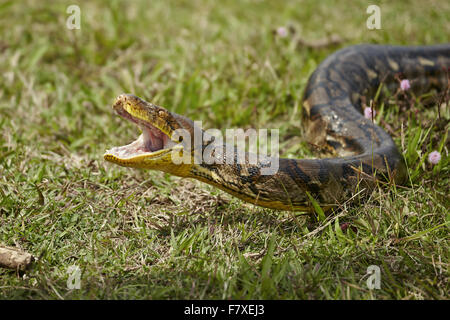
(139, 234)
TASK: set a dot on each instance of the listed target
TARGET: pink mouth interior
(152, 139)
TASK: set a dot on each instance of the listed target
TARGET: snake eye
(180, 139)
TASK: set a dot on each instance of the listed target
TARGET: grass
(138, 234)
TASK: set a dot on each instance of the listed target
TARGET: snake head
(160, 139)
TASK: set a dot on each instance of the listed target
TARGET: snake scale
(332, 110)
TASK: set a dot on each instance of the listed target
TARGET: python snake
(332, 109)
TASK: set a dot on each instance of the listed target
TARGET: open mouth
(151, 143)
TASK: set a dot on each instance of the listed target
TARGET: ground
(136, 234)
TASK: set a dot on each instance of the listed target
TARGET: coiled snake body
(332, 108)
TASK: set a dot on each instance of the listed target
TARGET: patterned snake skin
(333, 100)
